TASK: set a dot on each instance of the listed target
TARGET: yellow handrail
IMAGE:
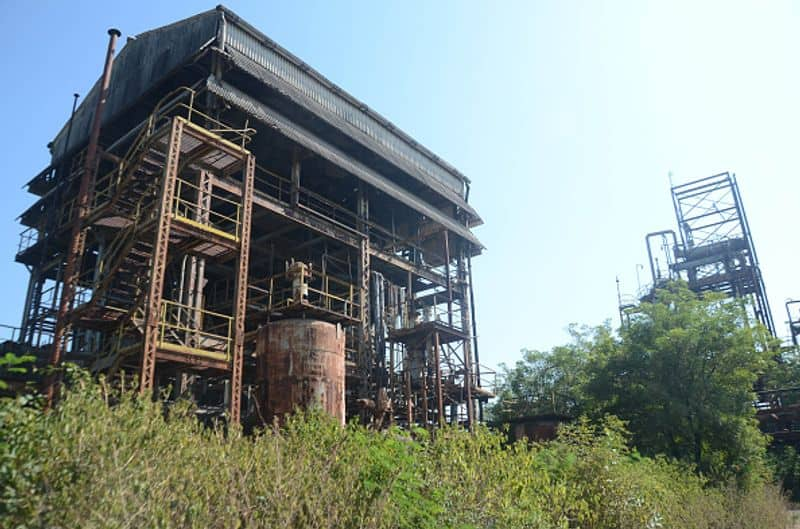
(223, 341)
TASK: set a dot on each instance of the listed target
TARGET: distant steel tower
(715, 252)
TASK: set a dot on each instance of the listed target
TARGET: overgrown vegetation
(104, 458)
(681, 374)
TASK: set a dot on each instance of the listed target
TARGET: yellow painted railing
(322, 291)
(195, 331)
(209, 218)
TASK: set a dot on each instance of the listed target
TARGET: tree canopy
(681, 374)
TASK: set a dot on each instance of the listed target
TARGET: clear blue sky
(567, 116)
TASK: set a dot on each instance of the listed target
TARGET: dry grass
(89, 464)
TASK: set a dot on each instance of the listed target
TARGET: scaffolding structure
(793, 315)
(211, 183)
(713, 249)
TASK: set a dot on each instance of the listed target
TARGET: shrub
(104, 458)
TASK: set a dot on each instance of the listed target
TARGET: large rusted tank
(301, 364)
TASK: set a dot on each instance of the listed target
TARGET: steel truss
(713, 250)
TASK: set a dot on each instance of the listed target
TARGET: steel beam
(78, 235)
(241, 291)
(159, 260)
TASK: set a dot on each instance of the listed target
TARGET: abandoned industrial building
(221, 220)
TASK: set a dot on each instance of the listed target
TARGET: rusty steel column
(295, 178)
(467, 343)
(449, 282)
(391, 378)
(159, 260)
(197, 265)
(438, 366)
(364, 345)
(424, 380)
(241, 290)
(474, 331)
(78, 234)
(409, 400)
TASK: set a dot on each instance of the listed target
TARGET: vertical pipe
(410, 315)
(75, 97)
(391, 377)
(94, 136)
(449, 282)
(474, 333)
(467, 343)
(438, 365)
(295, 181)
(424, 380)
(203, 216)
(409, 400)
(78, 235)
(364, 347)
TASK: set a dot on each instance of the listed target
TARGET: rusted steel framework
(77, 240)
(778, 414)
(234, 187)
(713, 249)
(793, 315)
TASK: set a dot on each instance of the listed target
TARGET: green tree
(680, 373)
(683, 377)
(13, 367)
(553, 382)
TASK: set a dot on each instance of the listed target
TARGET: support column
(197, 265)
(159, 260)
(438, 364)
(32, 299)
(467, 344)
(424, 381)
(295, 182)
(449, 280)
(78, 235)
(241, 291)
(409, 399)
(474, 331)
(364, 343)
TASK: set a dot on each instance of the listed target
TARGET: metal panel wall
(263, 113)
(251, 47)
(140, 65)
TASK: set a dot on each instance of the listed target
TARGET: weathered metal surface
(337, 107)
(302, 364)
(78, 235)
(153, 55)
(315, 144)
(241, 290)
(140, 65)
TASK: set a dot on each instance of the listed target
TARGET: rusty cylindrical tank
(301, 364)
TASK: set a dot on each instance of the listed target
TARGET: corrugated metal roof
(274, 119)
(154, 55)
(140, 65)
(322, 106)
(373, 131)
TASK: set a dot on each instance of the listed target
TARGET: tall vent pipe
(78, 235)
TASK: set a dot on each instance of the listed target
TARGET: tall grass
(105, 459)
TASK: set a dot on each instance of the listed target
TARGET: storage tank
(301, 364)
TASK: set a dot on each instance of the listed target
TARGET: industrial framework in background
(220, 219)
(713, 251)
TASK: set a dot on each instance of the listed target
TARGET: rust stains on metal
(302, 365)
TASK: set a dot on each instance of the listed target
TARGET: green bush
(104, 458)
